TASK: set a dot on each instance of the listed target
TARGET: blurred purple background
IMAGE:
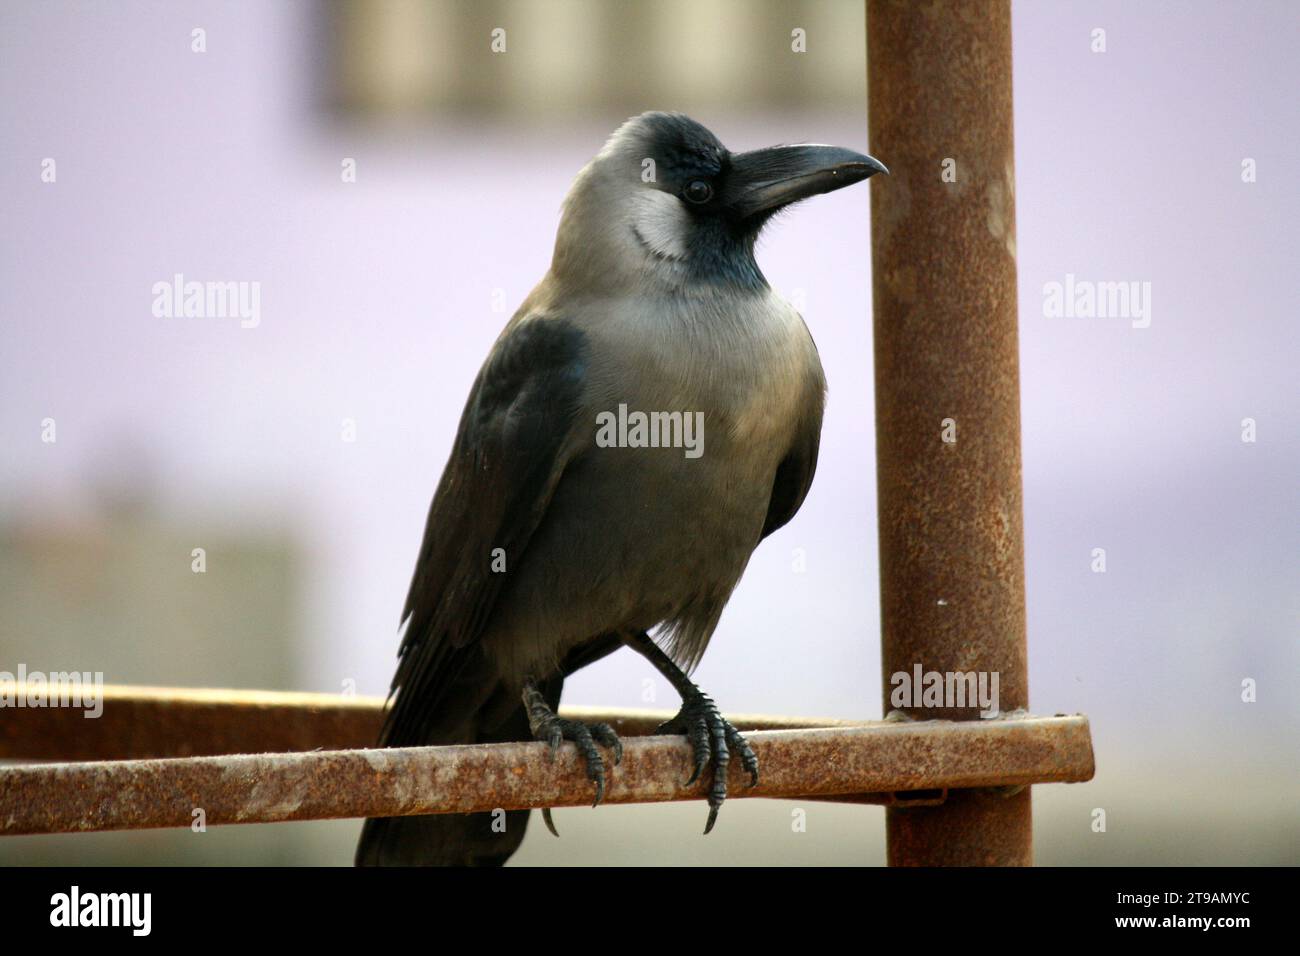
(377, 306)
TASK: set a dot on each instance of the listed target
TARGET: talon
(554, 730)
(607, 736)
(701, 762)
(747, 758)
(713, 741)
(550, 823)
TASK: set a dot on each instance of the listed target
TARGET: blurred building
(531, 61)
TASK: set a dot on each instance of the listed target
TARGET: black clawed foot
(714, 740)
(554, 730)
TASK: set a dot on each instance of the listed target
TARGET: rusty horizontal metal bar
(142, 722)
(881, 757)
(139, 722)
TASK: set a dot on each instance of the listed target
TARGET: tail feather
(445, 839)
(456, 839)
(476, 707)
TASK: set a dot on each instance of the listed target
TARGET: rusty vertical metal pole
(948, 387)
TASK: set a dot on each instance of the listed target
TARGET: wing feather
(514, 442)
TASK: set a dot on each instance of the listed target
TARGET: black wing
(793, 479)
(514, 442)
(794, 476)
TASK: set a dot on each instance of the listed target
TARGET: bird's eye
(698, 191)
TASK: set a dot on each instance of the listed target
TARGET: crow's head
(665, 194)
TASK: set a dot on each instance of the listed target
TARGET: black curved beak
(764, 180)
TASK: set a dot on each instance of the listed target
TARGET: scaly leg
(712, 737)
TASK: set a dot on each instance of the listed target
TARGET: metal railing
(323, 772)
